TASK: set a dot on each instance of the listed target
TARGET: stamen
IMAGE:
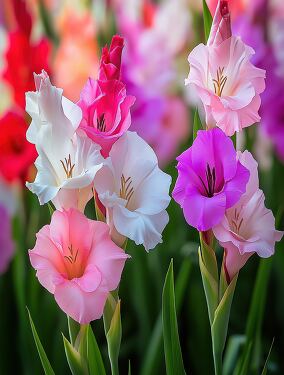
(126, 190)
(68, 166)
(220, 82)
(70, 257)
(101, 123)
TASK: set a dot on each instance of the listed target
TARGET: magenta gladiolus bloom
(210, 179)
(104, 102)
(77, 261)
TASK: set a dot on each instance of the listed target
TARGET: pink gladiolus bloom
(111, 60)
(248, 227)
(228, 84)
(210, 179)
(104, 102)
(79, 270)
(106, 112)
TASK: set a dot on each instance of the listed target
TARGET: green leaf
(113, 330)
(74, 359)
(244, 370)
(209, 257)
(219, 327)
(73, 328)
(210, 286)
(95, 362)
(51, 208)
(173, 355)
(129, 368)
(197, 125)
(233, 348)
(151, 363)
(255, 317)
(42, 355)
(99, 215)
(47, 24)
(207, 20)
(264, 371)
(234, 139)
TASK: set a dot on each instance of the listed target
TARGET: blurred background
(65, 38)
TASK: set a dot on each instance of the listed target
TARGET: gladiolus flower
(23, 56)
(80, 270)
(17, 155)
(67, 161)
(225, 80)
(106, 112)
(248, 227)
(134, 192)
(104, 103)
(77, 32)
(210, 179)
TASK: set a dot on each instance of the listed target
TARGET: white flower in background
(134, 191)
(67, 161)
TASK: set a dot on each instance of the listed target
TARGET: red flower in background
(17, 154)
(22, 56)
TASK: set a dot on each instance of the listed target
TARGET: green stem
(217, 356)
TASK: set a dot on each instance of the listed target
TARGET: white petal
(142, 229)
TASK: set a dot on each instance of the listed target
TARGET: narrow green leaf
(207, 20)
(99, 215)
(74, 359)
(129, 368)
(234, 139)
(95, 362)
(113, 332)
(153, 357)
(197, 125)
(46, 22)
(73, 328)
(233, 348)
(51, 208)
(244, 370)
(223, 284)
(210, 286)
(219, 327)
(255, 316)
(264, 371)
(42, 355)
(209, 258)
(173, 355)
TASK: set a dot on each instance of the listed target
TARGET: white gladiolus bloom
(134, 191)
(67, 161)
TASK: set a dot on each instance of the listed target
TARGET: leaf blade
(173, 355)
(41, 352)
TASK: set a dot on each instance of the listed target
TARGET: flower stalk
(219, 295)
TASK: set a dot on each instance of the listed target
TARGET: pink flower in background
(80, 270)
(248, 227)
(111, 60)
(6, 243)
(173, 128)
(106, 111)
(210, 179)
(227, 83)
